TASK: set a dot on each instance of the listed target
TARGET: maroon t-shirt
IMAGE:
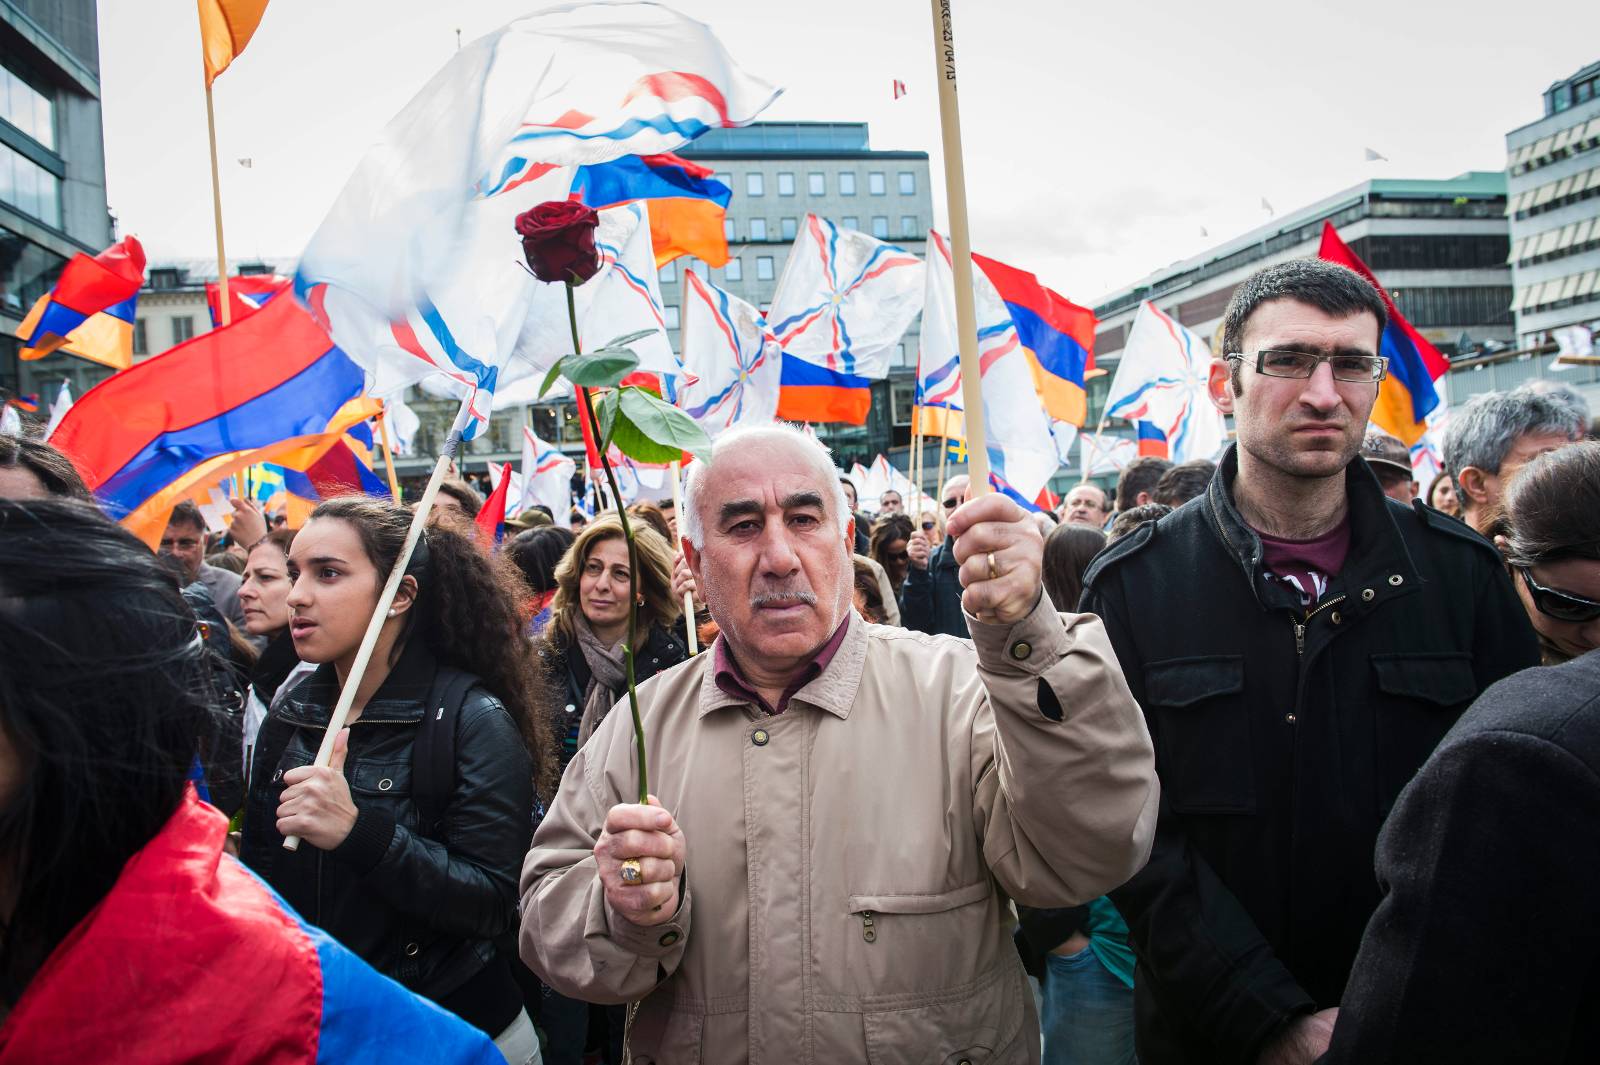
(1307, 565)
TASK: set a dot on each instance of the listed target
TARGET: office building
(52, 171)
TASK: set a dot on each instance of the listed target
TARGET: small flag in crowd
(491, 520)
(1057, 337)
(59, 408)
(1407, 394)
(1373, 157)
(1161, 384)
(414, 268)
(246, 294)
(1106, 454)
(546, 478)
(687, 204)
(737, 364)
(899, 88)
(10, 420)
(845, 299)
(226, 26)
(90, 312)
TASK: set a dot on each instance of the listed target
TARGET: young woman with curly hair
(419, 892)
(890, 535)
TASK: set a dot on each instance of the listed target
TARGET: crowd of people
(1277, 759)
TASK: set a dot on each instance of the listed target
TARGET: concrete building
(1440, 247)
(781, 171)
(52, 171)
(1553, 184)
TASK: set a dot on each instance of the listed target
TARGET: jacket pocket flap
(382, 778)
(1185, 681)
(936, 903)
(1445, 678)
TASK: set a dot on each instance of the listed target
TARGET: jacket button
(1021, 650)
(1335, 617)
(1290, 718)
(571, 709)
(1367, 595)
(668, 939)
(412, 950)
(759, 737)
(1396, 580)
(385, 784)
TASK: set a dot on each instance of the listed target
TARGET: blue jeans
(1088, 1013)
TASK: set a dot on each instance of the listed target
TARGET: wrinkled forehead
(766, 471)
(1086, 493)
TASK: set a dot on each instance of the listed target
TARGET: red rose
(558, 241)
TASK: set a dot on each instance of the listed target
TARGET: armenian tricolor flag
(1057, 336)
(90, 312)
(811, 393)
(247, 294)
(1406, 395)
(1152, 440)
(265, 380)
(687, 205)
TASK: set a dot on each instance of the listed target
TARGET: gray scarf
(608, 678)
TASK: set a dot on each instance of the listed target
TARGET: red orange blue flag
(1056, 335)
(246, 294)
(687, 204)
(90, 312)
(1407, 394)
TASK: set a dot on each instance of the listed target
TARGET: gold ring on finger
(993, 573)
(632, 872)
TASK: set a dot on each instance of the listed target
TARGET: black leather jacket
(930, 599)
(421, 907)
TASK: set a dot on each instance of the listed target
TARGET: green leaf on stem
(599, 369)
(648, 429)
(623, 341)
(605, 412)
(550, 378)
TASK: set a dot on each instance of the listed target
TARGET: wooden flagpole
(688, 597)
(955, 185)
(225, 308)
(1098, 429)
(380, 614)
(944, 455)
(388, 454)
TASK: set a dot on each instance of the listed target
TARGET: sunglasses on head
(1554, 603)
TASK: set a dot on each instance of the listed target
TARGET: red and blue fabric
(1056, 334)
(811, 393)
(1152, 439)
(647, 177)
(998, 482)
(246, 295)
(728, 404)
(829, 314)
(1407, 394)
(491, 520)
(28, 402)
(191, 957)
(338, 472)
(96, 297)
(268, 377)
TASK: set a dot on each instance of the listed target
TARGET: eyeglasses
(1302, 364)
(927, 525)
(952, 503)
(899, 556)
(1554, 603)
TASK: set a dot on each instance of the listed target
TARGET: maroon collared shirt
(732, 682)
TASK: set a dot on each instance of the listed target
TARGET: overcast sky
(1099, 138)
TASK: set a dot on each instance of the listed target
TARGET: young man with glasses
(930, 599)
(1299, 643)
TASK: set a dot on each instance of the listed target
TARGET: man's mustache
(783, 597)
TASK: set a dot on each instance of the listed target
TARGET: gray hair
(780, 433)
(1485, 428)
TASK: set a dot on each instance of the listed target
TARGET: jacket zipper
(1300, 626)
(869, 932)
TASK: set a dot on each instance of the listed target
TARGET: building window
(908, 226)
(785, 184)
(27, 108)
(141, 345)
(817, 184)
(671, 314)
(669, 272)
(182, 329)
(726, 179)
(880, 226)
(847, 184)
(727, 229)
(763, 268)
(758, 229)
(850, 221)
(734, 271)
(754, 185)
(908, 183)
(787, 228)
(877, 184)
(29, 187)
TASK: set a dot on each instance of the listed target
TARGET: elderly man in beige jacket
(841, 811)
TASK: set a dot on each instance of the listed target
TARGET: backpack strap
(433, 755)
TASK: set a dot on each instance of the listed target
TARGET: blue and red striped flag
(246, 295)
(811, 393)
(687, 205)
(1407, 394)
(1057, 337)
(90, 312)
(492, 518)
(1152, 439)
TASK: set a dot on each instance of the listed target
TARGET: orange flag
(226, 26)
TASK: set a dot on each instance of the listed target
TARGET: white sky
(1099, 139)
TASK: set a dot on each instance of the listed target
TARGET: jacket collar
(400, 699)
(1377, 555)
(833, 690)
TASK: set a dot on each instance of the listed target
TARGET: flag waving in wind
(845, 299)
(1407, 395)
(90, 312)
(546, 478)
(415, 268)
(687, 205)
(1161, 384)
(226, 26)
(738, 365)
